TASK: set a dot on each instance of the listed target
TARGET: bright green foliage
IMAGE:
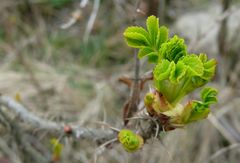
(201, 108)
(147, 41)
(57, 149)
(130, 141)
(176, 73)
(173, 49)
(194, 110)
(176, 80)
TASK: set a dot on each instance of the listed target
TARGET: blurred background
(64, 58)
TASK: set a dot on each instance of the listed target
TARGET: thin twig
(101, 148)
(83, 3)
(131, 106)
(91, 20)
(222, 151)
(76, 15)
(108, 125)
(149, 118)
(74, 18)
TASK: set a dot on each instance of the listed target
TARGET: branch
(35, 121)
(76, 15)
(131, 106)
(91, 20)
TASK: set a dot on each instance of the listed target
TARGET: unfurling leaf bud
(130, 141)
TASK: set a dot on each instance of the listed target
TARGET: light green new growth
(176, 73)
(57, 149)
(130, 141)
(148, 41)
(201, 108)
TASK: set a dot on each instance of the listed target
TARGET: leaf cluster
(176, 73)
(147, 41)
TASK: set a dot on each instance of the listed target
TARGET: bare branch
(35, 121)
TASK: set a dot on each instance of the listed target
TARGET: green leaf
(147, 41)
(173, 49)
(139, 30)
(135, 39)
(201, 108)
(198, 113)
(195, 66)
(162, 70)
(57, 148)
(153, 57)
(169, 79)
(144, 51)
(208, 72)
(176, 80)
(152, 26)
(162, 36)
(208, 96)
(209, 69)
(178, 72)
(203, 57)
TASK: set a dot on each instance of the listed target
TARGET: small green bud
(130, 141)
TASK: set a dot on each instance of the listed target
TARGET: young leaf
(209, 69)
(152, 26)
(162, 70)
(173, 49)
(178, 72)
(137, 29)
(57, 149)
(201, 108)
(162, 36)
(194, 64)
(208, 72)
(144, 51)
(198, 113)
(208, 96)
(153, 57)
(147, 41)
(135, 39)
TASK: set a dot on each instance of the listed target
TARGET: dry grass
(90, 92)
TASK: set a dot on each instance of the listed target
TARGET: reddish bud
(67, 129)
